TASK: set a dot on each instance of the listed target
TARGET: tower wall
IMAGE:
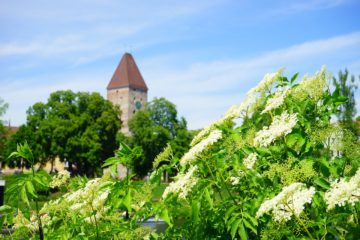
(126, 99)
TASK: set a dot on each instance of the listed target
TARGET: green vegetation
(3, 131)
(153, 128)
(76, 127)
(283, 170)
(347, 110)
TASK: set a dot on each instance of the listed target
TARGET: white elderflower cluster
(183, 184)
(266, 83)
(32, 225)
(88, 202)
(233, 112)
(281, 126)
(250, 160)
(234, 180)
(290, 201)
(236, 111)
(343, 192)
(213, 137)
(276, 101)
(312, 87)
(60, 179)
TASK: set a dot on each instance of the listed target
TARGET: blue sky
(201, 55)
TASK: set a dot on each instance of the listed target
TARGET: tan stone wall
(58, 165)
(126, 98)
(136, 95)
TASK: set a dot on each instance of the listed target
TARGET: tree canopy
(155, 126)
(3, 130)
(76, 127)
(347, 89)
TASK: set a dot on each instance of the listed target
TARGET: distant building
(127, 89)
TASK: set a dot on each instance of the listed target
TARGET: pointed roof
(127, 74)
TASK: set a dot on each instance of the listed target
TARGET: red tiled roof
(127, 74)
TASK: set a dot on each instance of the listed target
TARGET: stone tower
(127, 89)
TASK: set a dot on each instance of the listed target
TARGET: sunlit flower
(191, 155)
(281, 126)
(266, 83)
(60, 179)
(233, 112)
(312, 87)
(183, 184)
(250, 160)
(343, 192)
(234, 180)
(290, 201)
(275, 101)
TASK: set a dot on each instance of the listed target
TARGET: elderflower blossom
(233, 112)
(250, 160)
(213, 137)
(234, 180)
(312, 87)
(60, 179)
(281, 126)
(343, 192)
(183, 184)
(88, 202)
(266, 83)
(290, 201)
(276, 101)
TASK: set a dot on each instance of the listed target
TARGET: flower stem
(41, 233)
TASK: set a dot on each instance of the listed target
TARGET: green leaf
(127, 201)
(208, 198)
(242, 232)
(195, 209)
(295, 141)
(6, 209)
(234, 227)
(251, 218)
(229, 212)
(293, 78)
(30, 188)
(322, 183)
(249, 225)
(23, 196)
(165, 216)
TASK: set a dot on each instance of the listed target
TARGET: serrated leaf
(242, 232)
(229, 212)
(293, 78)
(165, 216)
(251, 218)
(6, 209)
(195, 209)
(208, 198)
(234, 227)
(322, 183)
(249, 225)
(23, 196)
(30, 189)
(127, 201)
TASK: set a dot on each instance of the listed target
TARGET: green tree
(3, 129)
(78, 127)
(153, 128)
(347, 89)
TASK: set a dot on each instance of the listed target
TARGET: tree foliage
(153, 127)
(3, 130)
(347, 87)
(76, 127)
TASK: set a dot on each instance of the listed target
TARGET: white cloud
(202, 91)
(209, 88)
